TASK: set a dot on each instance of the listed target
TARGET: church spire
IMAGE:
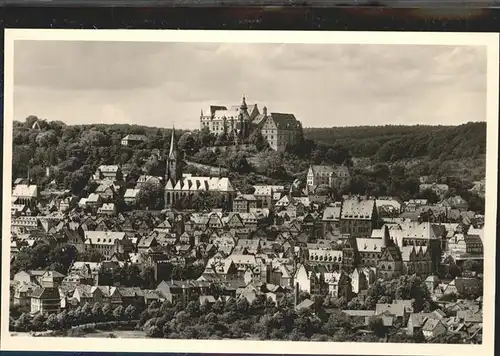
(173, 145)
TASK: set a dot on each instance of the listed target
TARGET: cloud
(161, 84)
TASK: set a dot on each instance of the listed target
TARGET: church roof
(220, 184)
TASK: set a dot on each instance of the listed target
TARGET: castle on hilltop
(279, 129)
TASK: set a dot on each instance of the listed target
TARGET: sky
(323, 85)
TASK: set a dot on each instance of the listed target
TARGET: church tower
(174, 167)
(243, 120)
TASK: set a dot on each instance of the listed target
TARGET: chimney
(264, 110)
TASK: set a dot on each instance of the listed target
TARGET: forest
(454, 155)
(391, 143)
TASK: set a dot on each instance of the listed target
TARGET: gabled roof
(357, 209)
(24, 190)
(135, 137)
(305, 304)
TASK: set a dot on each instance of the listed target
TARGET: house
(175, 291)
(133, 140)
(339, 285)
(93, 201)
(107, 209)
(130, 196)
(107, 242)
(388, 207)
(358, 217)
(433, 328)
(22, 293)
(243, 203)
(106, 190)
(264, 195)
(359, 280)
(310, 280)
(111, 295)
(45, 300)
(142, 180)
(464, 287)
(28, 276)
(331, 220)
(439, 189)
(209, 299)
(146, 243)
(132, 296)
(431, 282)
(108, 172)
(85, 293)
(151, 296)
(51, 279)
(332, 176)
(398, 310)
(25, 194)
(223, 269)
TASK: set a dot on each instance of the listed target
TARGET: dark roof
(285, 121)
(46, 293)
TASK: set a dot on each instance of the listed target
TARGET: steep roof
(331, 213)
(357, 209)
(103, 237)
(284, 121)
(24, 190)
(135, 137)
(369, 244)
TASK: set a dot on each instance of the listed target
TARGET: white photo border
(490, 40)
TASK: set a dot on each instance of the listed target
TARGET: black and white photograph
(283, 192)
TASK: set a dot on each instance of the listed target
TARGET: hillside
(392, 143)
(384, 160)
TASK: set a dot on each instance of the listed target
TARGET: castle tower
(243, 119)
(174, 169)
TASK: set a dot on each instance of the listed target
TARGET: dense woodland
(393, 157)
(391, 143)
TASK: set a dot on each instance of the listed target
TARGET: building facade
(181, 188)
(235, 119)
(332, 176)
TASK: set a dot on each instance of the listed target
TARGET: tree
(97, 313)
(52, 323)
(151, 195)
(323, 189)
(376, 324)
(23, 323)
(130, 312)
(118, 312)
(38, 322)
(258, 140)
(107, 311)
(237, 162)
(86, 313)
(91, 255)
(188, 144)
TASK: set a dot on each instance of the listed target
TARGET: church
(181, 185)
